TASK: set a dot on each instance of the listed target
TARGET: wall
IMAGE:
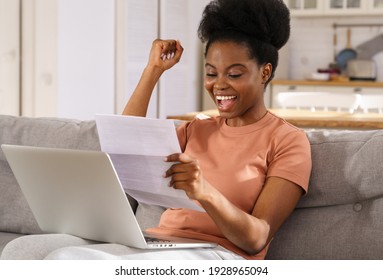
(9, 57)
(86, 57)
(67, 58)
(311, 43)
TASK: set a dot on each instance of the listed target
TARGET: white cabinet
(304, 86)
(375, 7)
(305, 7)
(275, 89)
(334, 7)
(345, 7)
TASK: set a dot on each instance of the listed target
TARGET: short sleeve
(181, 130)
(291, 159)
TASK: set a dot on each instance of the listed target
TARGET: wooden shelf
(327, 83)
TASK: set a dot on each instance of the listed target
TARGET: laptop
(79, 193)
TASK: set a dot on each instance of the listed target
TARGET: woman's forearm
(241, 228)
(139, 101)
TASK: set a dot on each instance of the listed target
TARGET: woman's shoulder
(283, 133)
(282, 126)
(203, 121)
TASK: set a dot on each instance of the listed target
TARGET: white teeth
(219, 97)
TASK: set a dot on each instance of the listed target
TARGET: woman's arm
(253, 232)
(164, 54)
(249, 232)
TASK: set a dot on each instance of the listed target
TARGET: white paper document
(137, 147)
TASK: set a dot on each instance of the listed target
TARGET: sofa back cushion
(341, 216)
(15, 214)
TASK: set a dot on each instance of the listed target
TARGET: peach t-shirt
(236, 161)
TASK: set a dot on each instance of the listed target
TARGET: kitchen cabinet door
(305, 7)
(348, 90)
(375, 7)
(275, 89)
(334, 7)
(345, 7)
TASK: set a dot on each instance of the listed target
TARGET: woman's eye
(210, 75)
(233, 76)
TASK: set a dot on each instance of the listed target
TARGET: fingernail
(172, 55)
(169, 55)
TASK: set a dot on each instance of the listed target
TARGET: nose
(220, 83)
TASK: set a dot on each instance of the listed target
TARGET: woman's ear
(266, 72)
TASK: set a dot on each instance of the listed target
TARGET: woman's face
(236, 82)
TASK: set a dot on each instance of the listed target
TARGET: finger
(179, 157)
(171, 50)
(183, 171)
(180, 185)
(185, 177)
(176, 168)
(168, 47)
(172, 157)
(167, 56)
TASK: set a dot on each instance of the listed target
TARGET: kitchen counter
(318, 119)
(327, 83)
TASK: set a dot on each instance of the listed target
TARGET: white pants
(120, 252)
(68, 247)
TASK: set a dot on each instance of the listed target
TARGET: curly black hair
(263, 26)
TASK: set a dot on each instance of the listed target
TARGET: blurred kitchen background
(77, 58)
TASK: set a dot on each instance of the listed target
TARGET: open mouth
(225, 103)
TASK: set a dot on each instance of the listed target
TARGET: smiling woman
(246, 201)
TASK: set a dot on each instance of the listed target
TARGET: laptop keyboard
(156, 240)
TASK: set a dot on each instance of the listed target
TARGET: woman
(247, 168)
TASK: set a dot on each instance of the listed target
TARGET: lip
(225, 102)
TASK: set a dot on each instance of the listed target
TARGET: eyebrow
(233, 65)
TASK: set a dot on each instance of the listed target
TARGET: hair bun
(266, 20)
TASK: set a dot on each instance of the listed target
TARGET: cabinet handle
(292, 87)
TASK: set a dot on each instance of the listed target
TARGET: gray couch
(340, 218)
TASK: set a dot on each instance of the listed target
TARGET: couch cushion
(347, 167)
(15, 214)
(341, 216)
(6, 237)
(341, 232)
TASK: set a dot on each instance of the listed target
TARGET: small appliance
(361, 69)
